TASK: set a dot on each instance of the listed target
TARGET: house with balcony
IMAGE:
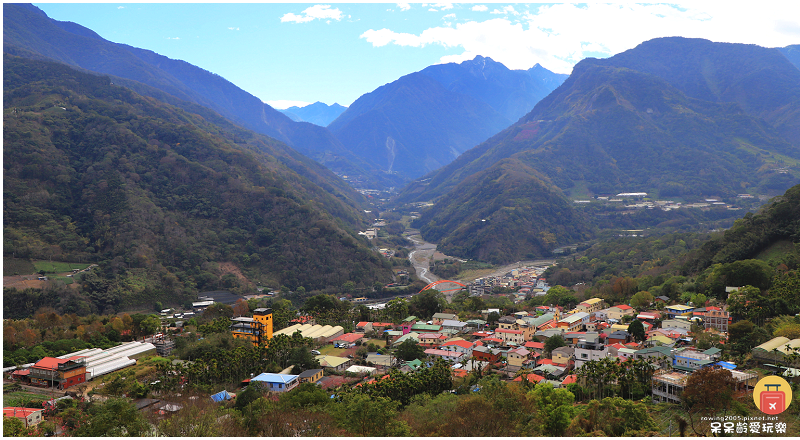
(460, 345)
(516, 337)
(257, 330)
(589, 350)
(716, 318)
(689, 359)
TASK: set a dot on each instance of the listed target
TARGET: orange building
(58, 373)
(257, 329)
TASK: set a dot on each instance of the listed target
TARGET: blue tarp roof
(727, 365)
(220, 396)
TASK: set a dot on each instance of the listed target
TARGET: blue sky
(296, 53)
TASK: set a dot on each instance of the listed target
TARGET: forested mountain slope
(162, 198)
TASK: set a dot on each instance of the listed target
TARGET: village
(545, 344)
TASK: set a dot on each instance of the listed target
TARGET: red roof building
(572, 378)
(533, 378)
(534, 346)
(60, 373)
(29, 416)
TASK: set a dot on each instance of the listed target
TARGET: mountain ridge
(27, 30)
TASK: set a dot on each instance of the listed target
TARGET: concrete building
(257, 330)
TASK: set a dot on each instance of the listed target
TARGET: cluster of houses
(526, 280)
(592, 331)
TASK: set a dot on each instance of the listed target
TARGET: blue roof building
(278, 383)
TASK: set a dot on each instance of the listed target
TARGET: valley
(465, 250)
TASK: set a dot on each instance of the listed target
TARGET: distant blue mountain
(317, 113)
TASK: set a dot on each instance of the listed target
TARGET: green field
(57, 266)
(23, 398)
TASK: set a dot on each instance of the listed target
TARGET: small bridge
(436, 283)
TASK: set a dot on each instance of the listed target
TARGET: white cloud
(233, 28)
(404, 6)
(120, 7)
(316, 12)
(507, 10)
(173, 38)
(436, 7)
(560, 35)
(283, 104)
(480, 8)
(449, 16)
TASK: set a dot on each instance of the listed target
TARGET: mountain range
(695, 111)
(426, 119)
(317, 113)
(506, 152)
(29, 32)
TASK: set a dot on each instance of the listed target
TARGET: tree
(554, 408)
(554, 342)
(699, 300)
(397, 309)
(636, 329)
(150, 324)
(613, 417)
(302, 359)
(14, 427)
(321, 303)
(560, 295)
(410, 350)
(241, 308)
(426, 303)
(642, 299)
(708, 392)
(116, 418)
(369, 416)
(305, 395)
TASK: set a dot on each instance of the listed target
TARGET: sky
(299, 53)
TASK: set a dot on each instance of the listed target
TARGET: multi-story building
(257, 329)
(590, 305)
(589, 350)
(716, 318)
(574, 322)
(58, 373)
